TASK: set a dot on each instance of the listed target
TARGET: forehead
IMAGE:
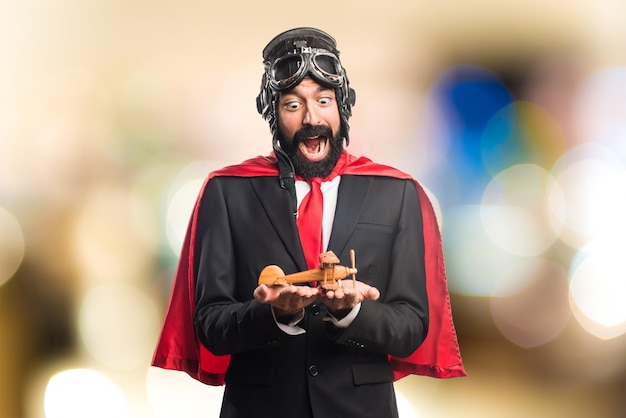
(307, 86)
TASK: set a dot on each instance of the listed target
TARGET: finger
(372, 294)
(288, 290)
(340, 293)
(260, 293)
(306, 291)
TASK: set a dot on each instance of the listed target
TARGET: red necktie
(310, 223)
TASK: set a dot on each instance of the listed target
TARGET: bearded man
(303, 350)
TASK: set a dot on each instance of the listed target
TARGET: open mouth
(314, 148)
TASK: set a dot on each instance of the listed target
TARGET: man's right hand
(287, 300)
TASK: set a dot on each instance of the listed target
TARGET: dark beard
(305, 168)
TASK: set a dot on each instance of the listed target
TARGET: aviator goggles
(288, 70)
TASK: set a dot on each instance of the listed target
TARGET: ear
(351, 96)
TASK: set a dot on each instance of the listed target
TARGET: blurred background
(511, 114)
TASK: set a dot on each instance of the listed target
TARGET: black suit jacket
(246, 224)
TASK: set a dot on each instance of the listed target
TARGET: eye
(325, 100)
(292, 105)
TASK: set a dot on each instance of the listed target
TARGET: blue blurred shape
(467, 97)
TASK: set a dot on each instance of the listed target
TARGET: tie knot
(315, 181)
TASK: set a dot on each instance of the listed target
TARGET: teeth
(319, 145)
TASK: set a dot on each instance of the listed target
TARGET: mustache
(311, 131)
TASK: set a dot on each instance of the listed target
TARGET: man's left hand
(347, 296)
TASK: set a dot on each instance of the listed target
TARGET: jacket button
(315, 310)
(272, 343)
(313, 371)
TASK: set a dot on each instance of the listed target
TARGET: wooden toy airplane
(328, 275)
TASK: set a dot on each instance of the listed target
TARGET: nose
(311, 117)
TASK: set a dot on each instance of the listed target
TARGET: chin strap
(287, 176)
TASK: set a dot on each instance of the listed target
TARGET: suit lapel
(277, 206)
(352, 195)
(353, 191)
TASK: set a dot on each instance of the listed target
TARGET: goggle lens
(326, 63)
(287, 67)
(289, 70)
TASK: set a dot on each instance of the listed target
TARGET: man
(301, 350)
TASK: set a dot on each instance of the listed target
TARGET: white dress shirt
(329, 191)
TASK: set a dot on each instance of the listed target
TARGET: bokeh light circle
(532, 307)
(598, 288)
(514, 210)
(118, 325)
(79, 393)
(179, 212)
(473, 261)
(590, 177)
(180, 198)
(174, 394)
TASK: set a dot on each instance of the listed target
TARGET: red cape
(179, 349)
